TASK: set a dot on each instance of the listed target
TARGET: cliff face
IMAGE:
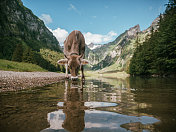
(116, 55)
(93, 46)
(25, 38)
(154, 26)
(17, 21)
(132, 32)
(115, 51)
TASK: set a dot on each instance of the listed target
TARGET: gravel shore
(12, 81)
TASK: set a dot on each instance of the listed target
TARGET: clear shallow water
(106, 105)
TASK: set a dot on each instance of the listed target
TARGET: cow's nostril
(74, 78)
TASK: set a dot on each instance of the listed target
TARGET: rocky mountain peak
(154, 26)
(132, 32)
(116, 55)
(93, 46)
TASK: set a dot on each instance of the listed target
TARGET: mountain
(109, 53)
(157, 55)
(17, 21)
(23, 35)
(118, 50)
(116, 55)
(94, 46)
(154, 26)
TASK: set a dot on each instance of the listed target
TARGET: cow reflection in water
(73, 107)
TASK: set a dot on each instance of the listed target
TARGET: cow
(74, 49)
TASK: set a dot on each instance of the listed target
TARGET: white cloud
(98, 38)
(50, 29)
(46, 18)
(60, 34)
(72, 7)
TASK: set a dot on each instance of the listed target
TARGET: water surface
(98, 105)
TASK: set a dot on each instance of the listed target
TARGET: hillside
(116, 55)
(23, 35)
(110, 53)
(157, 55)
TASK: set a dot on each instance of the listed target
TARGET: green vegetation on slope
(157, 55)
(116, 55)
(23, 36)
(17, 21)
(19, 66)
(52, 57)
(23, 53)
(101, 74)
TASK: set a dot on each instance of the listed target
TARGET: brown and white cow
(74, 48)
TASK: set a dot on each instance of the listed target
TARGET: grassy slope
(19, 66)
(99, 74)
(126, 55)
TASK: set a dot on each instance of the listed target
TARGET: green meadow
(19, 66)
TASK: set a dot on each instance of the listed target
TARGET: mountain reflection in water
(101, 104)
(78, 113)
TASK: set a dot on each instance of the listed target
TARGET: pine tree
(157, 55)
(28, 56)
(18, 53)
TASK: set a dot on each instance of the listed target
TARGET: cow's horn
(81, 56)
(66, 56)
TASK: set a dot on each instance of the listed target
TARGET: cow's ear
(84, 62)
(62, 61)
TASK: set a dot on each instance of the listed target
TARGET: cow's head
(74, 63)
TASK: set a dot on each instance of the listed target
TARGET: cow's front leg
(82, 73)
(66, 72)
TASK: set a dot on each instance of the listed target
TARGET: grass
(111, 68)
(97, 74)
(19, 66)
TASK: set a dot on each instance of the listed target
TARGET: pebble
(12, 81)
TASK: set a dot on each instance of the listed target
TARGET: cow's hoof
(83, 78)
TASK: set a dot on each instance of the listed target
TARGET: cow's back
(74, 43)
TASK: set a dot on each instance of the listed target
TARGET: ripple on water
(93, 104)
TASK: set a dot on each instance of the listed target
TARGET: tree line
(157, 55)
(17, 50)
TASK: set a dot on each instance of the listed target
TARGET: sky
(100, 21)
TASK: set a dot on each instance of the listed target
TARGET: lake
(96, 105)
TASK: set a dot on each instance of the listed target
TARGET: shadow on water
(106, 105)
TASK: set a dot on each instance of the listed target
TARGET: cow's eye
(77, 69)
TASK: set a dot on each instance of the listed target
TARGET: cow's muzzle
(74, 78)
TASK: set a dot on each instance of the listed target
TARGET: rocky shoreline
(12, 81)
